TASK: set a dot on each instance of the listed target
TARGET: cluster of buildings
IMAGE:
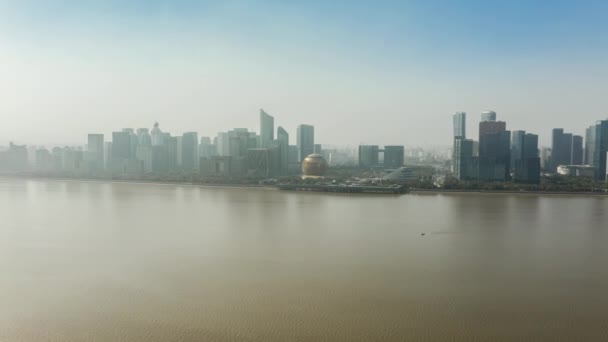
(236, 153)
(497, 154)
(503, 155)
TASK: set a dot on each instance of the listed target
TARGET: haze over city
(388, 72)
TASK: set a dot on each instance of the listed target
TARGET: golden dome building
(314, 166)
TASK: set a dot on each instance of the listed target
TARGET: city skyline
(208, 65)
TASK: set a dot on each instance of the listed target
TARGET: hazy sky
(382, 72)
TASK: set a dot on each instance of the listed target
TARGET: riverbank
(142, 182)
(534, 192)
(282, 186)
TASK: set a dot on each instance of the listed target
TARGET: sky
(361, 72)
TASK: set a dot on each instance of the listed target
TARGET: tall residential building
(305, 141)
(545, 158)
(266, 129)
(576, 157)
(133, 142)
(459, 120)
(494, 149)
(206, 148)
(463, 159)
(368, 155)
(189, 149)
(601, 148)
(460, 125)
(495, 156)
(44, 160)
(561, 148)
(157, 136)
(488, 115)
(517, 141)
(589, 145)
(239, 141)
(527, 161)
(283, 140)
(223, 144)
(121, 145)
(94, 155)
(143, 151)
(173, 152)
(393, 156)
(491, 127)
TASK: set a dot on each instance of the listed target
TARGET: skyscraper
(121, 145)
(527, 161)
(368, 155)
(393, 156)
(491, 127)
(601, 148)
(121, 152)
(305, 141)
(561, 148)
(589, 145)
(463, 159)
(488, 115)
(577, 150)
(283, 141)
(94, 155)
(206, 148)
(460, 125)
(459, 120)
(189, 148)
(157, 136)
(494, 149)
(223, 144)
(517, 141)
(266, 129)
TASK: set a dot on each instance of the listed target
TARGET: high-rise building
(545, 158)
(133, 141)
(305, 141)
(601, 148)
(527, 161)
(189, 149)
(393, 156)
(266, 129)
(459, 120)
(223, 144)
(262, 162)
(589, 145)
(157, 136)
(463, 159)
(561, 148)
(44, 160)
(495, 156)
(15, 158)
(460, 125)
(494, 149)
(494, 161)
(121, 145)
(283, 141)
(576, 155)
(491, 127)
(488, 115)
(206, 148)
(173, 152)
(239, 141)
(95, 154)
(517, 141)
(368, 155)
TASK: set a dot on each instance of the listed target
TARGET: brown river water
(94, 261)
